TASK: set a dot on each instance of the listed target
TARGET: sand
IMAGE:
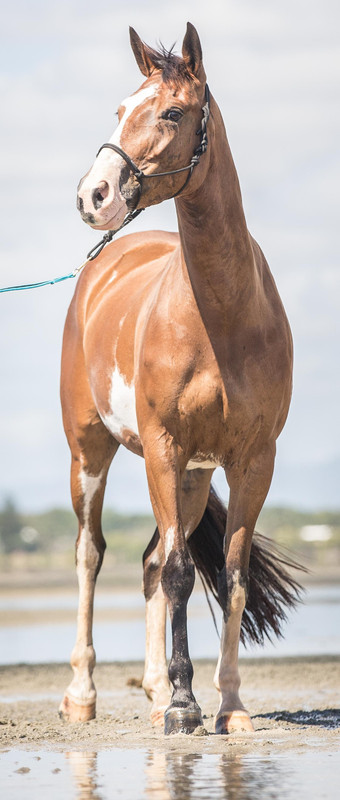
(294, 704)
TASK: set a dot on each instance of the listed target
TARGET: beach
(293, 702)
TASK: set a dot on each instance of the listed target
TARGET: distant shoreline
(123, 578)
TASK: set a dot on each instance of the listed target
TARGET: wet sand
(294, 704)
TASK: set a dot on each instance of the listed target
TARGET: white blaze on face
(108, 164)
(130, 103)
(107, 169)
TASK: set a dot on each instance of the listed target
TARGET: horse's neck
(216, 244)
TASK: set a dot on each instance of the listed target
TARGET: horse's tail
(271, 588)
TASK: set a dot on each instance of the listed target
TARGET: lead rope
(92, 254)
(140, 175)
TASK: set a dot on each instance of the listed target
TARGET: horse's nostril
(99, 194)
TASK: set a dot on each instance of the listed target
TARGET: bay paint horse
(178, 347)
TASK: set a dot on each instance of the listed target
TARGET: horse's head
(158, 131)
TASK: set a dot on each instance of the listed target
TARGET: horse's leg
(155, 679)
(177, 579)
(90, 464)
(246, 499)
(195, 491)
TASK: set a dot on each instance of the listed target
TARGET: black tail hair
(271, 588)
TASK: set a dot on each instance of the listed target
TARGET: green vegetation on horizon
(51, 535)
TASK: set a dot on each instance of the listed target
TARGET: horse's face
(157, 129)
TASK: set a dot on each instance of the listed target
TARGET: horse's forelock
(173, 67)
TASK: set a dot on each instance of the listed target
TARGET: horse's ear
(141, 53)
(192, 51)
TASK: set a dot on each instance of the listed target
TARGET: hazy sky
(274, 69)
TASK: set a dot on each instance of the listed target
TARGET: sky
(274, 68)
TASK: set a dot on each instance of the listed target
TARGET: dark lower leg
(178, 576)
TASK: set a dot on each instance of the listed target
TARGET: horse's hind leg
(92, 454)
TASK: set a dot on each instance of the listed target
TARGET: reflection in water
(84, 773)
(156, 786)
(245, 779)
(158, 775)
(175, 776)
(169, 774)
(172, 776)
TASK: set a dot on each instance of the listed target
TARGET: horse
(177, 346)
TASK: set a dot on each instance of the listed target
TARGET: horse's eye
(173, 114)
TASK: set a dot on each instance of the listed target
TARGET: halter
(141, 176)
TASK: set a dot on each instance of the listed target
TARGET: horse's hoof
(70, 711)
(235, 721)
(181, 720)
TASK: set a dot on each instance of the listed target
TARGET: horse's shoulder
(118, 260)
(129, 252)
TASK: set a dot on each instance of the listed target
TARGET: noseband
(141, 176)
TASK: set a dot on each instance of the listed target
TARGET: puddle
(158, 775)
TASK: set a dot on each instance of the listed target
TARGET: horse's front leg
(195, 492)
(87, 486)
(246, 499)
(178, 576)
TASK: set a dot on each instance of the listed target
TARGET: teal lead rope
(43, 283)
(90, 257)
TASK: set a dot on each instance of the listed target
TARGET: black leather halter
(141, 176)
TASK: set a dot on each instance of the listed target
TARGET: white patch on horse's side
(169, 541)
(122, 400)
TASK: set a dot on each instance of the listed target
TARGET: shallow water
(311, 630)
(156, 775)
